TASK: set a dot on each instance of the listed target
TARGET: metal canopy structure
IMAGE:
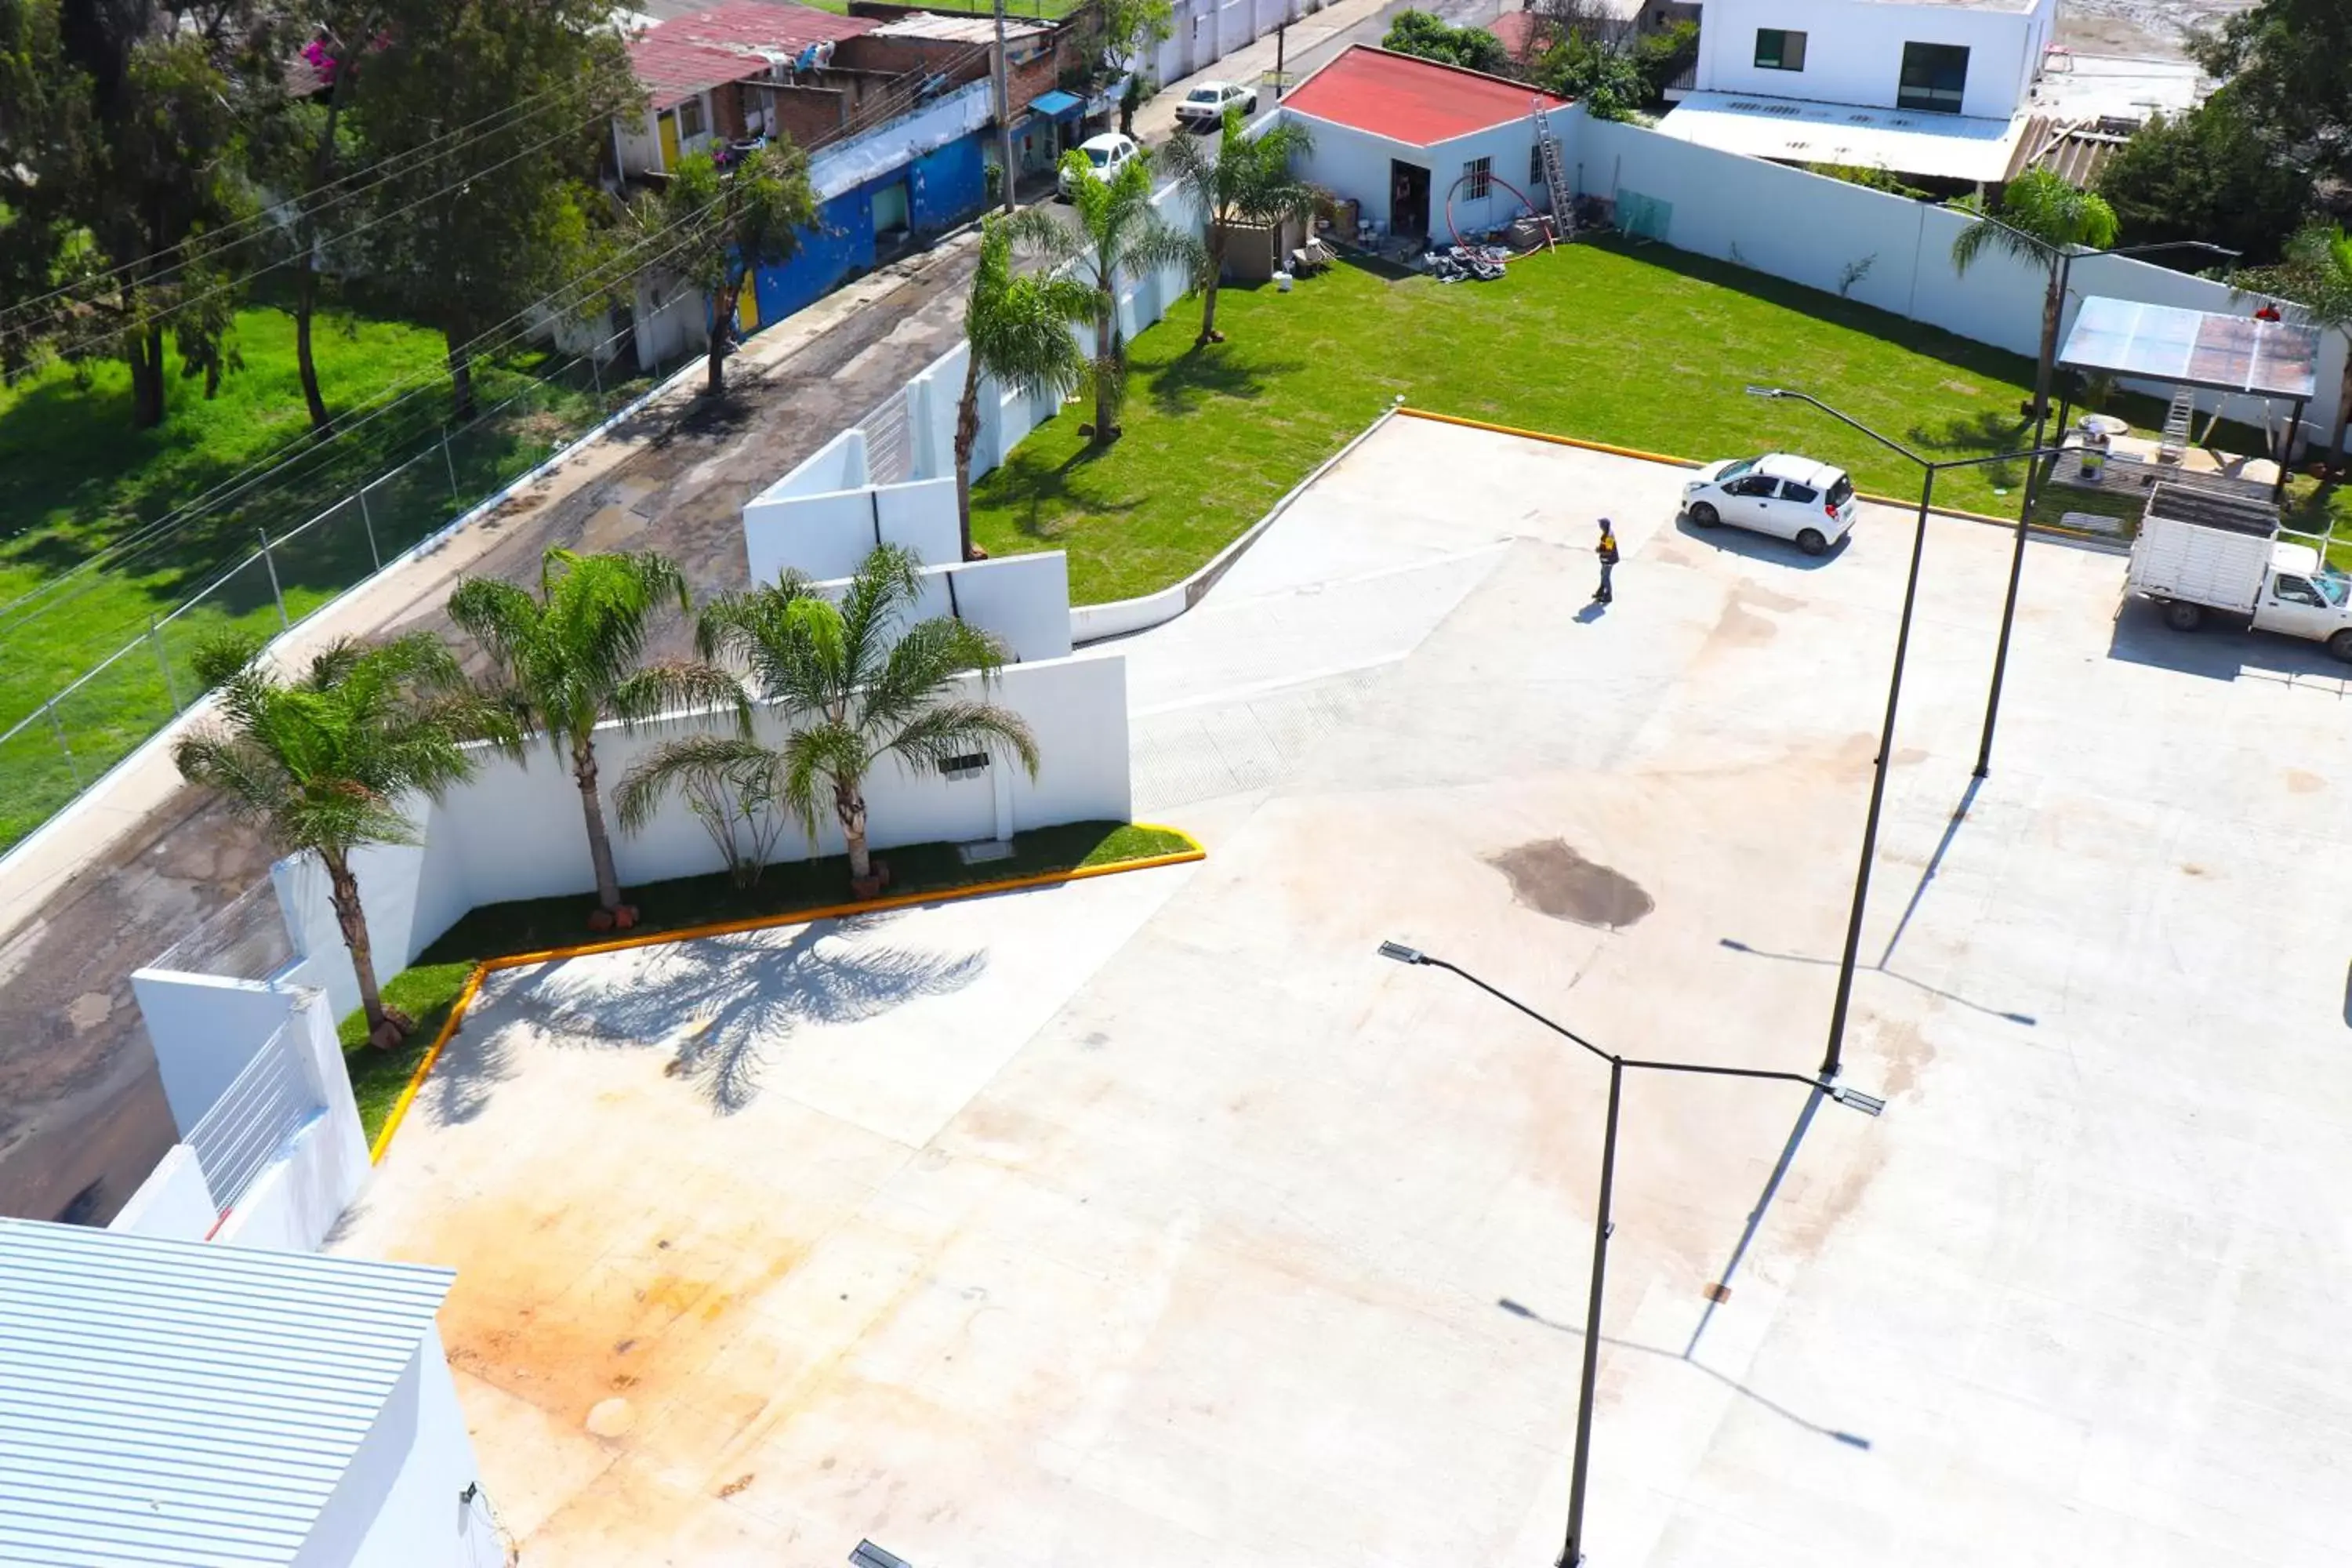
(2194, 348)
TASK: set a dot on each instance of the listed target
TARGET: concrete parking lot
(1157, 1221)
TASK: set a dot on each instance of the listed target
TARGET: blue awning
(1057, 105)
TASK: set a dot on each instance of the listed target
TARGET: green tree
(2207, 174)
(573, 656)
(2041, 217)
(1246, 182)
(857, 685)
(323, 762)
(2318, 275)
(1595, 71)
(1116, 233)
(2285, 65)
(1129, 30)
(1425, 34)
(1018, 328)
(472, 233)
(118, 147)
(727, 223)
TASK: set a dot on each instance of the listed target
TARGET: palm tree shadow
(1981, 434)
(1203, 372)
(719, 1004)
(1047, 492)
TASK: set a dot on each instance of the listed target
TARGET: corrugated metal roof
(166, 1403)
(1805, 131)
(972, 29)
(684, 56)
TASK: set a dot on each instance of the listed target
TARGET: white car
(1205, 105)
(1108, 153)
(1780, 494)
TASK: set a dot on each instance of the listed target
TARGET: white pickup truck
(2199, 555)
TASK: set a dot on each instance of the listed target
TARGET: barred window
(969, 766)
(1478, 176)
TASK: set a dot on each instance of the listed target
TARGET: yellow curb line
(1616, 451)
(758, 923)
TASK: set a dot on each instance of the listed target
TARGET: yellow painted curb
(758, 923)
(1616, 451)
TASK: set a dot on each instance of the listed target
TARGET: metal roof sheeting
(1410, 99)
(2194, 348)
(167, 1402)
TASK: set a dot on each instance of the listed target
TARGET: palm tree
(572, 657)
(322, 761)
(2040, 219)
(2318, 275)
(857, 685)
(1247, 183)
(1118, 232)
(1018, 327)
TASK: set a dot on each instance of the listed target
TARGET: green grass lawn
(427, 990)
(1645, 347)
(76, 480)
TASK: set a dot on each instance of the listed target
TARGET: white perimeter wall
(827, 534)
(1854, 49)
(1206, 31)
(173, 1202)
(397, 1503)
(515, 832)
(206, 1028)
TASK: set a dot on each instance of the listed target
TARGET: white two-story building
(1935, 89)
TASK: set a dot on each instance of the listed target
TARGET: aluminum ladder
(2177, 421)
(1555, 177)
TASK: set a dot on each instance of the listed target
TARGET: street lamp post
(1832, 1058)
(1572, 1551)
(2049, 373)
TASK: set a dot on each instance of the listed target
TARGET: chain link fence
(54, 747)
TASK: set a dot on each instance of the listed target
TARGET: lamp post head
(1402, 953)
(1754, 390)
(1855, 1099)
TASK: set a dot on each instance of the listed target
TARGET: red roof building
(675, 60)
(1410, 99)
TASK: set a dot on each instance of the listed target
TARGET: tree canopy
(2207, 174)
(1425, 34)
(2285, 66)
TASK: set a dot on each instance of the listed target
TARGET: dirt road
(82, 1116)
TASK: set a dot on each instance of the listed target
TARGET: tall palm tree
(2318, 275)
(1247, 183)
(2039, 220)
(858, 685)
(1118, 232)
(1018, 328)
(573, 656)
(322, 761)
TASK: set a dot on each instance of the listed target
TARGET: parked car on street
(1792, 497)
(1205, 105)
(1108, 153)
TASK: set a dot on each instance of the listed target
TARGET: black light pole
(2033, 473)
(1572, 1553)
(1832, 1058)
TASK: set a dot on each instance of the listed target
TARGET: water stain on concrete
(1550, 876)
(2301, 783)
(1756, 596)
(1739, 629)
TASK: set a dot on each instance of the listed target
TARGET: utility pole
(1281, 36)
(1003, 110)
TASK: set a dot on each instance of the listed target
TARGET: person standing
(1607, 551)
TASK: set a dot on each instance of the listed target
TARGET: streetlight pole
(1003, 112)
(1572, 1550)
(1832, 1058)
(2049, 371)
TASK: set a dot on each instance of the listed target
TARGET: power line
(390, 168)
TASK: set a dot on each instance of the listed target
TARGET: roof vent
(1783, 109)
(1745, 107)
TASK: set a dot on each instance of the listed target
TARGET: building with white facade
(1423, 148)
(172, 1404)
(1940, 88)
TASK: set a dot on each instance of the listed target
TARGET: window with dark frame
(689, 118)
(1477, 177)
(1534, 165)
(1779, 49)
(969, 766)
(1935, 78)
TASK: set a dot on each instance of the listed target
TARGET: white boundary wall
(516, 831)
(1206, 31)
(1810, 229)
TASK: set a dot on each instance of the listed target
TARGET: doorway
(1408, 198)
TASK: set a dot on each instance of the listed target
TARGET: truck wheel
(2340, 645)
(2183, 616)
(1810, 541)
(1705, 515)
